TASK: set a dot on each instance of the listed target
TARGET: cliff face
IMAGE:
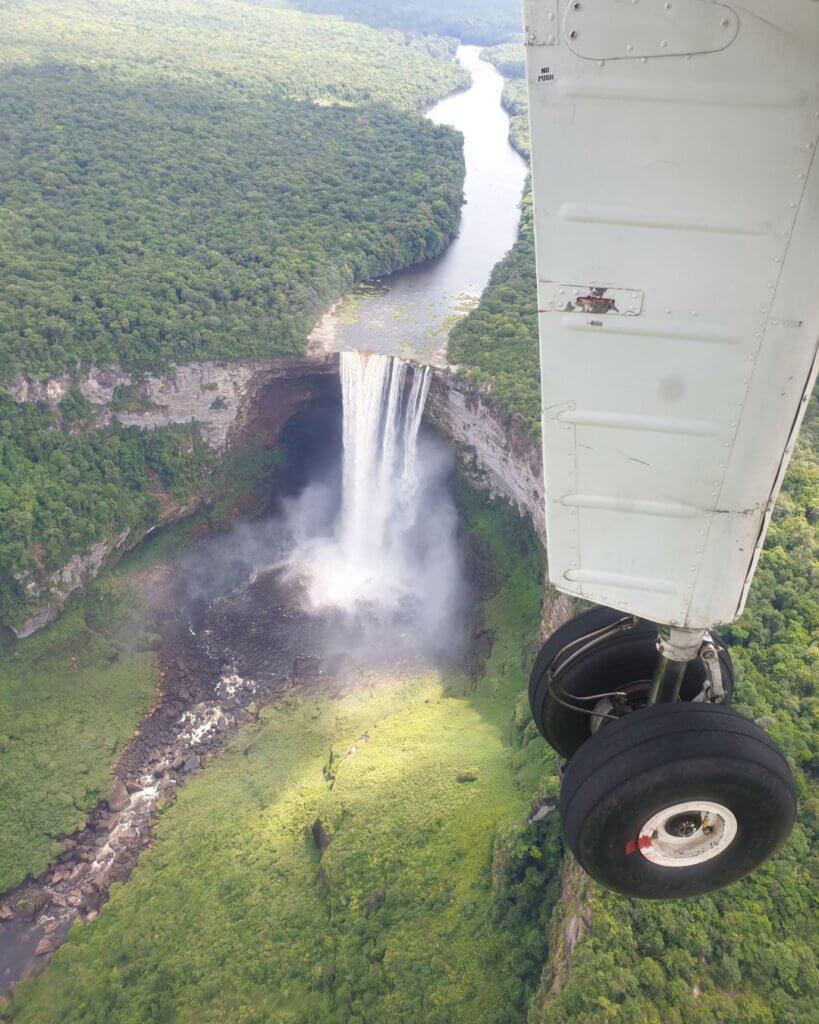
(229, 401)
(493, 445)
(242, 402)
(216, 395)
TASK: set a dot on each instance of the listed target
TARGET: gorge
(358, 570)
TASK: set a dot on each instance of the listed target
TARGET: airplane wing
(677, 228)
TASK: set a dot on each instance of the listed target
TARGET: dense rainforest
(183, 183)
(204, 181)
(60, 491)
(508, 59)
(147, 224)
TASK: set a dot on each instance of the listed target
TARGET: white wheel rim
(686, 834)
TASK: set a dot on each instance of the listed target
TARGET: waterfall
(366, 562)
(380, 436)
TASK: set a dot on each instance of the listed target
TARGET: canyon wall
(216, 395)
(241, 402)
(229, 401)
(493, 445)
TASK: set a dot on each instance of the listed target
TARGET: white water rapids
(370, 561)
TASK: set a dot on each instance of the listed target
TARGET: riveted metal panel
(616, 29)
(691, 181)
(540, 23)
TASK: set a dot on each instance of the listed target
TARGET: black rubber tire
(624, 659)
(663, 755)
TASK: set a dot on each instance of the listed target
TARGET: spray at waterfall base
(391, 562)
(361, 568)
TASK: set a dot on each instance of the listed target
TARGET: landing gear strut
(667, 791)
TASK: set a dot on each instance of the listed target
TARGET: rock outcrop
(216, 395)
(493, 445)
(78, 570)
(230, 402)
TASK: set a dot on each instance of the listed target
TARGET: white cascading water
(367, 562)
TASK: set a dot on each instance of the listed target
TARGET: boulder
(30, 905)
(46, 945)
(119, 798)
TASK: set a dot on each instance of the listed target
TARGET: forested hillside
(472, 21)
(147, 224)
(184, 182)
(746, 955)
(180, 184)
(235, 48)
(62, 491)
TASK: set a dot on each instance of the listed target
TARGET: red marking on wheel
(640, 843)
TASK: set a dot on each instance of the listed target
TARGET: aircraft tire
(676, 800)
(625, 661)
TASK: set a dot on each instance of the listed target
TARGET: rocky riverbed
(201, 700)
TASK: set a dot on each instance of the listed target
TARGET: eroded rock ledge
(494, 446)
(229, 401)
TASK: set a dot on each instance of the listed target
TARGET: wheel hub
(686, 834)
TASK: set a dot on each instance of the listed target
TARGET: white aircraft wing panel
(677, 230)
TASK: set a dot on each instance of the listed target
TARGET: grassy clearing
(429, 903)
(70, 698)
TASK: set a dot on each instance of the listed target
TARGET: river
(410, 313)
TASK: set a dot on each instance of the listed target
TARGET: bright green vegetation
(496, 345)
(236, 49)
(775, 645)
(60, 492)
(472, 21)
(184, 231)
(70, 698)
(431, 902)
(516, 103)
(508, 58)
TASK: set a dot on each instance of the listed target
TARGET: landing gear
(601, 666)
(676, 801)
(668, 792)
